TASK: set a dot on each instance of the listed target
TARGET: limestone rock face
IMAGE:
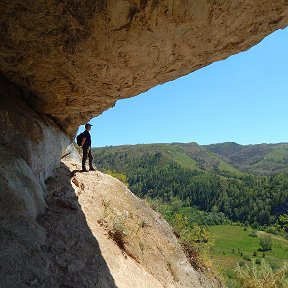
(33, 137)
(69, 245)
(31, 146)
(78, 57)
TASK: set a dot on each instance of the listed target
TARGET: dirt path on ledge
(86, 211)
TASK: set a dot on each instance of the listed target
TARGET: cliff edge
(95, 233)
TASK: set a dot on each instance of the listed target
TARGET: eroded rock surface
(70, 244)
(79, 57)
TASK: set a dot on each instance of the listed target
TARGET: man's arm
(83, 141)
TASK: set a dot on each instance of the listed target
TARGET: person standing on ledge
(86, 147)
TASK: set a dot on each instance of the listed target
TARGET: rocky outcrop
(30, 149)
(31, 145)
(70, 245)
(79, 57)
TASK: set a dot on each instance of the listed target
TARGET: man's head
(88, 126)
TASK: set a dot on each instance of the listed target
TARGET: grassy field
(278, 153)
(176, 154)
(234, 245)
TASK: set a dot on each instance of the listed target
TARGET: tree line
(249, 199)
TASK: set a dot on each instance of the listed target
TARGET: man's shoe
(92, 169)
(84, 170)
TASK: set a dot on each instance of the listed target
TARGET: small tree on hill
(266, 243)
(282, 223)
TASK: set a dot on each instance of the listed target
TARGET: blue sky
(242, 99)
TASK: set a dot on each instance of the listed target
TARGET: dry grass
(193, 255)
(261, 276)
(119, 232)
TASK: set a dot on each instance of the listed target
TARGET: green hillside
(191, 156)
(206, 159)
(261, 159)
(222, 158)
(199, 178)
(233, 244)
(208, 195)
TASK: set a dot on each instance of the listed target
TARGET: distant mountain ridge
(261, 159)
(228, 157)
(213, 178)
(188, 156)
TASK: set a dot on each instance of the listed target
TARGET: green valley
(201, 179)
(214, 196)
(238, 244)
(260, 159)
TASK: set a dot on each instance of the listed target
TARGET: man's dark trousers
(87, 154)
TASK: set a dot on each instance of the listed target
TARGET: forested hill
(199, 178)
(191, 156)
(261, 159)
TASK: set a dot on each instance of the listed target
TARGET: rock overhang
(77, 58)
